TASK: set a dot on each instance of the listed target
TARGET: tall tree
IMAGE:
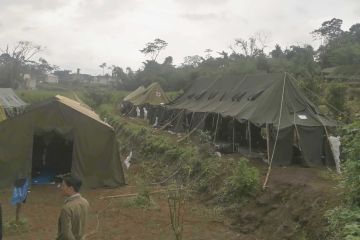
(15, 62)
(277, 52)
(154, 48)
(193, 61)
(103, 66)
(329, 30)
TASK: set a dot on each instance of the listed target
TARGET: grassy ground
(113, 219)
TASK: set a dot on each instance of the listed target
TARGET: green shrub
(344, 223)
(335, 95)
(142, 199)
(14, 227)
(351, 152)
(241, 184)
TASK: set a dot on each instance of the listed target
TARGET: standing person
(73, 216)
(21, 187)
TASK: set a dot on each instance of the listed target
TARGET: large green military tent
(240, 107)
(10, 104)
(61, 135)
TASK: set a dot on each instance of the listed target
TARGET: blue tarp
(20, 193)
(45, 177)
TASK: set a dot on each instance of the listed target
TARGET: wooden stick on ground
(134, 194)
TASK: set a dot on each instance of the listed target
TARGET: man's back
(73, 217)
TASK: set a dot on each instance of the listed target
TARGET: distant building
(103, 80)
(51, 78)
(30, 83)
(81, 78)
(63, 76)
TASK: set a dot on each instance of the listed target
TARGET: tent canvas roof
(256, 98)
(153, 95)
(95, 157)
(8, 99)
(134, 93)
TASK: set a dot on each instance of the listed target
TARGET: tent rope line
(98, 220)
(233, 136)
(277, 134)
(194, 129)
(191, 120)
(328, 139)
(296, 128)
(216, 127)
(126, 114)
(318, 117)
(171, 120)
(326, 102)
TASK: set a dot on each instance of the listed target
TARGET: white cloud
(85, 33)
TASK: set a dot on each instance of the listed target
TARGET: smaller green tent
(10, 103)
(152, 95)
(2, 114)
(94, 155)
(135, 93)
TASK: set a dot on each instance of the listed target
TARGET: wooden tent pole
(268, 141)
(277, 134)
(213, 122)
(216, 127)
(249, 135)
(191, 120)
(172, 119)
(233, 138)
(194, 129)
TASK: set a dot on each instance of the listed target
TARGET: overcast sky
(84, 33)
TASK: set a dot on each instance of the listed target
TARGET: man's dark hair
(73, 182)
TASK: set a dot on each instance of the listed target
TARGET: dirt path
(110, 219)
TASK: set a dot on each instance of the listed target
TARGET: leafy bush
(351, 151)
(335, 95)
(344, 223)
(95, 97)
(242, 183)
(14, 227)
(142, 199)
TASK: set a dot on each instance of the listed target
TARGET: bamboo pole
(249, 136)
(268, 142)
(216, 127)
(233, 132)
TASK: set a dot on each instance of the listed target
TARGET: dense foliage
(345, 220)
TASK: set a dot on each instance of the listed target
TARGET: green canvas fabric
(2, 114)
(255, 98)
(135, 93)
(152, 95)
(10, 102)
(95, 157)
(258, 98)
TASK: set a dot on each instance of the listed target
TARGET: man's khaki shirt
(73, 218)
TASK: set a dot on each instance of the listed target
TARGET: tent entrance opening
(52, 155)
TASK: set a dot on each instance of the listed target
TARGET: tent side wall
(95, 157)
(97, 168)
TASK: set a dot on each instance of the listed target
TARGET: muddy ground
(112, 219)
(292, 207)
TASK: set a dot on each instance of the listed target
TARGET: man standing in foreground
(73, 216)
